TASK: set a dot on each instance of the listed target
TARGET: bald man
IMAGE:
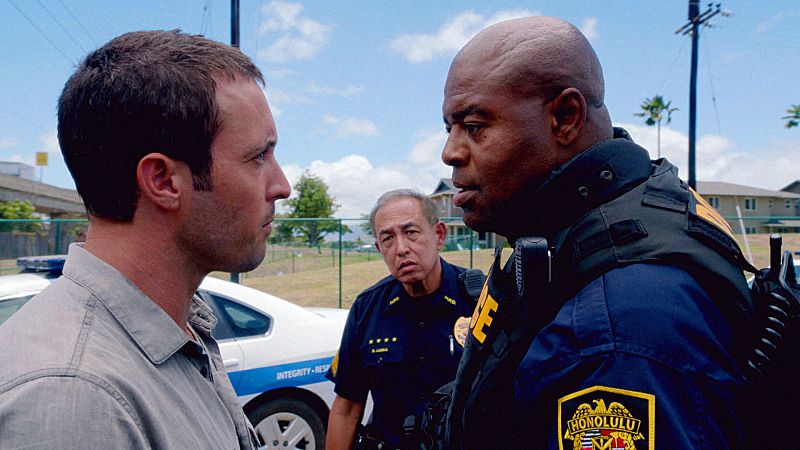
(622, 337)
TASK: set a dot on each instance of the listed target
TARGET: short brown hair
(143, 92)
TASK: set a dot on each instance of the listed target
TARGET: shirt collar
(594, 177)
(142, 319)
(449, 291)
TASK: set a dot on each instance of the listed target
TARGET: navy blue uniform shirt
(400, 348)
(639, 356)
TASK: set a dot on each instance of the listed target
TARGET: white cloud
(356, 184)
(351, 126)
(49, 142)
(9, 141)
(427, 151)
(345, 92)
(718, 159)
(277, 97)
(451, 36)
(770, 23)
(502, 16)
(589, 28)
(276, 74)
(299, 37)
(29, 159)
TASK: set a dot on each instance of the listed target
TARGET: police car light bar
(50, 262)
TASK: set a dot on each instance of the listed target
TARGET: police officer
(400, 342)
(630, 341)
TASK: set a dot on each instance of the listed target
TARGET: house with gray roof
(457, 233)
(762, 210)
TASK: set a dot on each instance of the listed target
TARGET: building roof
(445, 186)
(706, 188)
(792, 187)
(47, 199)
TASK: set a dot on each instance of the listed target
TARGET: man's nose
(278, 186)
(454, 154)
(402, 245)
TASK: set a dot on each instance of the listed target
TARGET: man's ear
(162, 180)
(568, 116)
(441, 234)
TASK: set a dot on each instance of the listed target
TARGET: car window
(9, 306)
(221, 330)
(241, 320)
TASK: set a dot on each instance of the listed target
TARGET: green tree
(312, 201)
(19, 210)
(364, 225)
(793, 119)
(281, 230)
(654, 110)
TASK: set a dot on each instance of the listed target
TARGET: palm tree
(793, 119)
(654, 110)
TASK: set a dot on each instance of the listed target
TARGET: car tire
(288, 423)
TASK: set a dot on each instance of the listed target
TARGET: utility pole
(235, 43)
(235, 23)
(693, 26)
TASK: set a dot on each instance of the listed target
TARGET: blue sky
(356, 87)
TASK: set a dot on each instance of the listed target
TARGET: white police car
(276, 353)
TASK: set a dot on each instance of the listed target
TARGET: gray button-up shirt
(92, 362)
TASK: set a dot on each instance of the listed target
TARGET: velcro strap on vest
(617, 234)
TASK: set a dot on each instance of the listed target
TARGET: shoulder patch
(335, 364)
(705, 211)
(606, 418)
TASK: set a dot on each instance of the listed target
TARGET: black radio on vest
(532, 263)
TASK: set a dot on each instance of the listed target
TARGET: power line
(41, 32)
(725, 154)
(672, 66)
(711, 84)
(61, 26)
(79, 23)
(749, 42)
(206, 22)
(36, 126)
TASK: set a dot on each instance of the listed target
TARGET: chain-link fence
(24, 237)
(311, 262)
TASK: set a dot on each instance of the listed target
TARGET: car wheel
(287, 423)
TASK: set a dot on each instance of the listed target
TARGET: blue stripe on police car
(263, 379)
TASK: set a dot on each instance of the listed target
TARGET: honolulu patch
(604, 418)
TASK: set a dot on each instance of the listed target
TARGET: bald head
(521, 99)
(539, 56)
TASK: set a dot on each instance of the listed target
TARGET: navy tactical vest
(652, 217)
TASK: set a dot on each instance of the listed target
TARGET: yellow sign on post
(41, 158)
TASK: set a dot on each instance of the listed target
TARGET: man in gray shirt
(171, 144)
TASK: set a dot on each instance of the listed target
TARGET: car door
(232, 355)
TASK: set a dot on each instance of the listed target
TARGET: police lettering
(482, 318)
(617, 423)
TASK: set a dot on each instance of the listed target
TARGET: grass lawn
(309, 277)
